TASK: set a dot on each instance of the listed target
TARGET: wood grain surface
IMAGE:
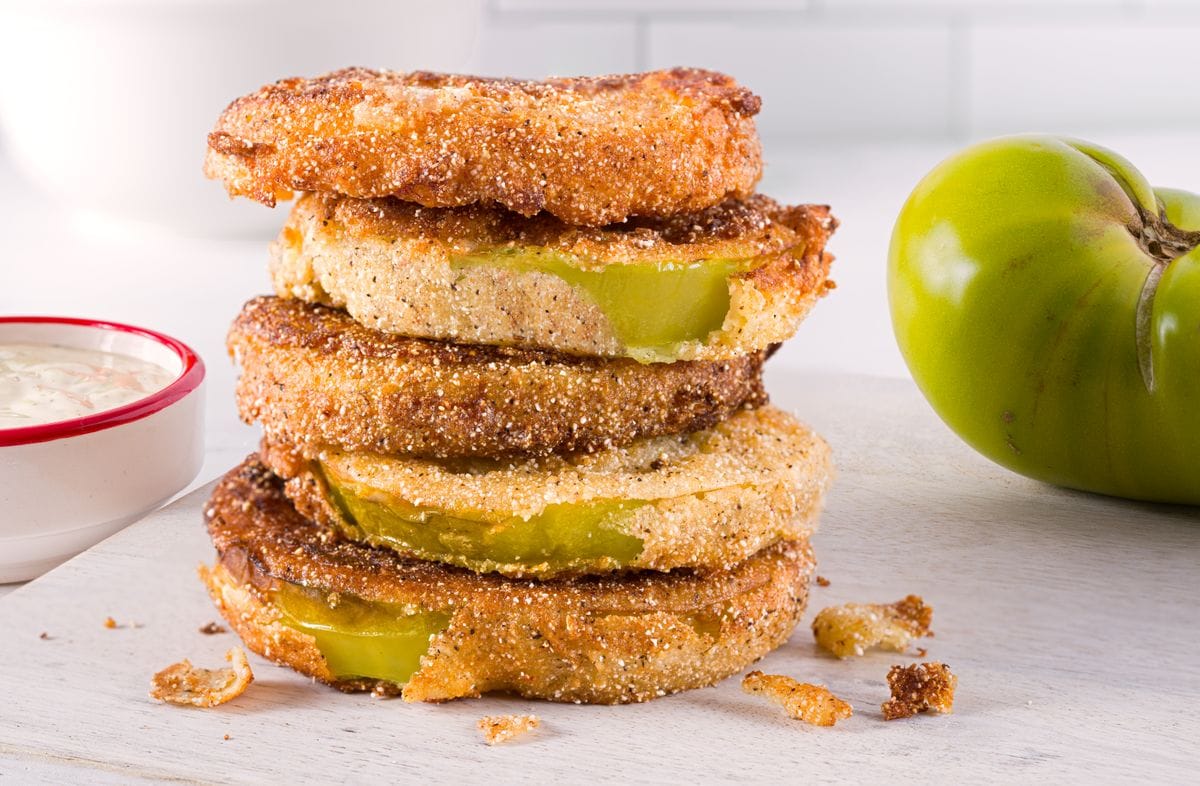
(1072, 621)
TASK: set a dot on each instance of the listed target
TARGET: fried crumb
(502, 728)
(212, 628)
(183, 683)
(922, 652)
(110, 623)
(822, 581)
(813, 704)
(853, 628)
(44, 636)
(918, 687)
(226, 737)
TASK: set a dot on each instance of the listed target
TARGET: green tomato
(1047, 301)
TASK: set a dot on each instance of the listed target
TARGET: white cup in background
(107, 103)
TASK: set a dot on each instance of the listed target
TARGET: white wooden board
(1071, 620)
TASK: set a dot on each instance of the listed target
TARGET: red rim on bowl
(188, 380)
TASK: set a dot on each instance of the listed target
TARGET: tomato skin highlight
(1018, 283)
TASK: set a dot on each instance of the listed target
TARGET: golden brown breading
(590, 150)
(853, 628)
(314, 377)
(183, 683)
(918, 687)
(813, 704)
(712, 498)
(392, 265)
(502, 728)
(599, 640)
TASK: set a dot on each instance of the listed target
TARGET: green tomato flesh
(563, 537)
(385, 641)
(653, 308)
(360, 638)
(1039, 315)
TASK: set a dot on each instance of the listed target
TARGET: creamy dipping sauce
(45, 383)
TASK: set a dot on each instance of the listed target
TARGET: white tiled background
(885, 69)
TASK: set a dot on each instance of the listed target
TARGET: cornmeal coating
(314, 377)
(713, 498)
(604, 640)
(391, 265)
(498, 729)
(919, 687)
(853, 628)
(590, 150)
(183, 683)
(813, 704)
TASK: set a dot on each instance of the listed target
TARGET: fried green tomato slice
(590, 150)
(367, 619)
(726, 281)
(705, 500)
(314, 377)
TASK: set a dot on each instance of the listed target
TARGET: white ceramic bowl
(67, 485)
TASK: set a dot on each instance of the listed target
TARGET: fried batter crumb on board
(813, 704)
(502, 728)
(590, 150)
(183, 683)
(918, 687)
(853, 628)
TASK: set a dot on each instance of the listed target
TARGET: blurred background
(106, 103)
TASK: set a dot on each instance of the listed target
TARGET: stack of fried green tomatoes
(510, 384)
